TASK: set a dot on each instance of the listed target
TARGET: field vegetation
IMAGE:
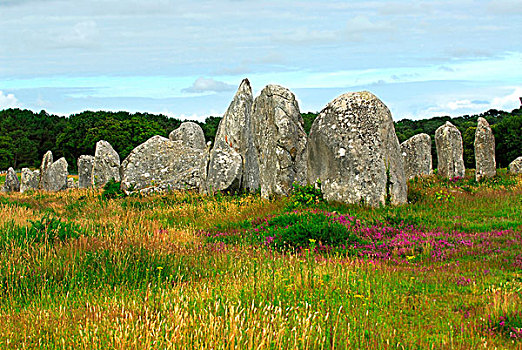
(89, 269)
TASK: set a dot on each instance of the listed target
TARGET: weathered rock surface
(485, 163)
(53, 175)
(106, 164)
(279, 139)
(29, 180)
(85, 165)
(160, 164)
(416, 155)
(449, 151)
(190, 134)
(233, 139)
(47, 161)
(354, 151)
(515, 167)
(224, 171)
(11, 184)
(71, 184)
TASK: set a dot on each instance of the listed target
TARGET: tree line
(25, 135)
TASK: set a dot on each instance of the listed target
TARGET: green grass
(189, 271)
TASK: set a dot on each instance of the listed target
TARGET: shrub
(305, 195)
(112, 189)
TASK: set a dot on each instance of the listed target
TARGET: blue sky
(186, 58)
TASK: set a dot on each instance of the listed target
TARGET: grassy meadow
(79, 270)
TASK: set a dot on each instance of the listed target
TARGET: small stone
(71, 184)
(11, 184)
(190, 134)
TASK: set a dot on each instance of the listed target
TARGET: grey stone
(416, 155)
(11, 184)
(85, 165)
(235, 131)
(515, 167)
(449, 151)
(29, 180)
(53, 175)
(485, 164)
(354, 151)
(160, 164)
(106, 164)
(190, 134)
(279, 140)
(71, 184)
(224, 171)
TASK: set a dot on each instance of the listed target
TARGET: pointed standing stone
(416, 153)
(484, 151)
(448, 140)
(45, 179)
(11, 183)
(354, 151)
(280, 141)
(29, 180)
(190, 134)
(233, 161)
(106, 164)
(85, 165)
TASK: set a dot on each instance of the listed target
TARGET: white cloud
(508, 102)
(202, 85)
(8, 101)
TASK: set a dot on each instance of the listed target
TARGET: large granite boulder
(416, 155)
(29, 179)
(485, 163)
(106, 164)
(160, 164)
(354, 151)
(279, 140)
(190, 134)
(515, 167)
(53, 175)
(224, 171)
(449, 151)
(234, 149)
(11, 184)
(85, 165)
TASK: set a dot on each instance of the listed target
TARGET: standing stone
(11, 183)
(416, 153)
(354, 151)
(484, 151)
(29, 180)
(515, 167)
(47, 161)
(55, 178)
(160, 164)
(190, 134)
(224, 171)
(449, 151)
(53, 175)
(280, 141)
(233, 161)
(85, 164)
(106, 164)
